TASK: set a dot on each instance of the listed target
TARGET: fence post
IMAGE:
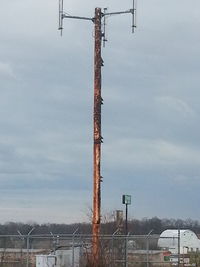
(112, 259)
(22, 238)
(126, 250)
(27, 251)
(148, 247)
(54, 243)
(73, 246)
(27, 247)
(178, 246)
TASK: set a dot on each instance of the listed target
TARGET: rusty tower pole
(98, 63)
(97, 137)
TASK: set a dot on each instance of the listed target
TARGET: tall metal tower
(99, 27)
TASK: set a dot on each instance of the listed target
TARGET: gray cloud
(150, 116)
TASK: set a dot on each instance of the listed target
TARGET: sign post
(126, 199)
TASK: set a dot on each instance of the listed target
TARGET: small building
(45, 260)
(154, 257)
(188, 241)
(60, 258)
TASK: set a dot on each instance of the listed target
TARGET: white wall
(188, 241)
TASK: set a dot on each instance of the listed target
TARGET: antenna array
(63, 15)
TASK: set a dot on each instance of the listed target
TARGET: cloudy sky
(150, 120)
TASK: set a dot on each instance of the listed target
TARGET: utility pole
(98, 63)
(98, 101)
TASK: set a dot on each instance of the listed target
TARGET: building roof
(173, 233)
(188, 240)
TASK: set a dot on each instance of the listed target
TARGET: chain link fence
(74, 250)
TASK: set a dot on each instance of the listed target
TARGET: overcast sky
(150, 118)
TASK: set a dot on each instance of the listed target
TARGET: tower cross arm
(119, 13)
(76, 17)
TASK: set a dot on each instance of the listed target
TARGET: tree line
(135, 227)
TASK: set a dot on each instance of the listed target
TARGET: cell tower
(99, 21)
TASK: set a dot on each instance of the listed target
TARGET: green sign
(126, 199)
(166, 258)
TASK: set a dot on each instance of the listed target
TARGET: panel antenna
(133, 11)
(60, 27)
